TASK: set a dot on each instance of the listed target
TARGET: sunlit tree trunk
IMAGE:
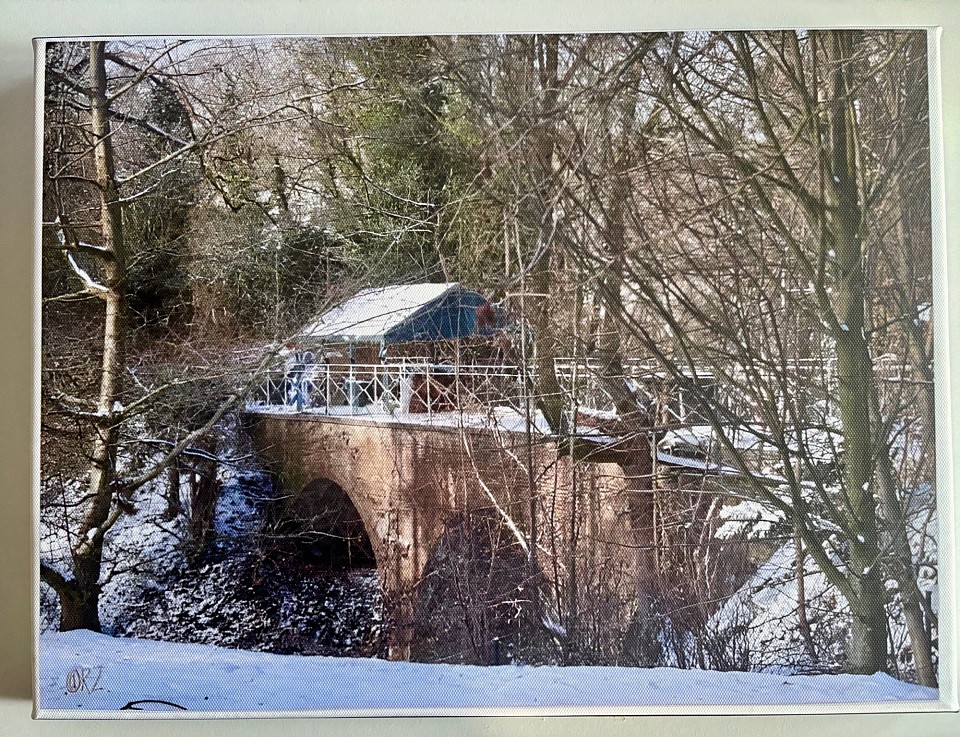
(79, 597)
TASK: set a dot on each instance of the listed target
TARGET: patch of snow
(744, 438)
(599, 414)
(143, 548)
(706, 467)
(87, 280)
(502, 419)
(553, 626)
(201, 678)
(764, 610)
(763, 613)
(748, 517)
(239, 514)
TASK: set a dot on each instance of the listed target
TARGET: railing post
(328, 395)
(429, 388)
(351, 390)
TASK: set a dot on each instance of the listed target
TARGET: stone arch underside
(326, 528)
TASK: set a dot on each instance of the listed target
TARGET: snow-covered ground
(761, 618)
(95, 673)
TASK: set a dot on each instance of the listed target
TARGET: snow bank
(91, 672)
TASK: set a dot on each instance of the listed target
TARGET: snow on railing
(652, 386)
(584, 380)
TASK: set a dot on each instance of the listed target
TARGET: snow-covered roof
(696, 464)
(371, 314)
(716, 469)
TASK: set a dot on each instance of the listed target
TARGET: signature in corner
(84, 680)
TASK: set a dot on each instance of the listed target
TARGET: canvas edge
(39, 51)
(945, 378)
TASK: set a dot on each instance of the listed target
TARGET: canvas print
(455, 374)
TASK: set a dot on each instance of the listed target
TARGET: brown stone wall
(408, 481)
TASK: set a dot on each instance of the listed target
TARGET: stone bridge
(409, 480)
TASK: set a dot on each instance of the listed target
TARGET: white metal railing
(814, 378)
(396, 387)
(419, 386)
(666, 399)
(584, 379)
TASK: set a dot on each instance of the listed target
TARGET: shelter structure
(400, 348)
(404, 314)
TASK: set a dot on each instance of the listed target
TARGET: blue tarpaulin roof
(401, 313)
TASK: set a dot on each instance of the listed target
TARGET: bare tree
(752, 214)
(88, 197)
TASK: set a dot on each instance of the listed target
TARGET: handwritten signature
(84, 680)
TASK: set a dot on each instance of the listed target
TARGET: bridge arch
(407, 482)
(326, 528)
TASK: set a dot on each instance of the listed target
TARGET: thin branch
(89, 283)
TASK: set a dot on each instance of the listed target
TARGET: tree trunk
(802, 619)
(549, 393)
(920, 643)
(904, 571)
(174, 505)
(81, 605)
(78, 609)
(867, 644)
(842, 247)
(204, 493)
